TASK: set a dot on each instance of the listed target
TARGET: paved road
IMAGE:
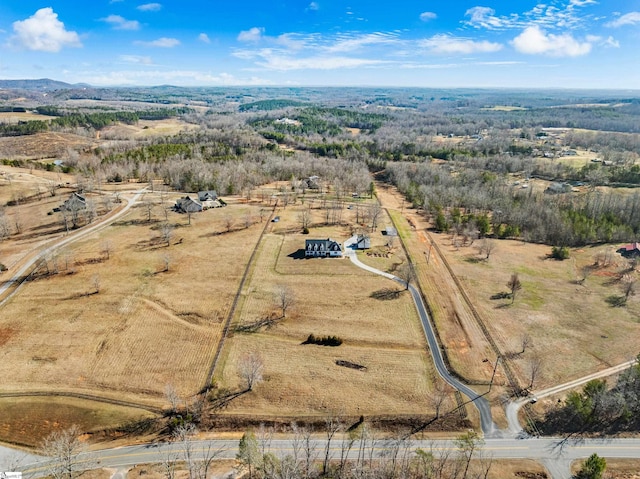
(489, 428)
(19, 276)
(555, 453)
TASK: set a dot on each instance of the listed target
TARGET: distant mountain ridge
(40, 84)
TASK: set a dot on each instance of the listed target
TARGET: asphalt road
(489, 428)
(555, 453)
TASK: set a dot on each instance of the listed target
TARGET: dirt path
(11, 286)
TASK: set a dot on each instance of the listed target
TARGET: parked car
(275, 219)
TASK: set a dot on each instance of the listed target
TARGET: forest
(453, 153)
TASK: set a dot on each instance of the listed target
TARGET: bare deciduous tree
(375, 211)
(148, 206)
(486, 247)
(172, 397)
(439, 396)
(166, 232)
(407, 274)
(64, 448)
(285, 299)
(514, 286)
(105, 247)
(250, 369)
(534, 369)
(628, 286)
(228, 222)
(304, 217)
(525, 342)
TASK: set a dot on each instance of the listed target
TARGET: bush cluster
(324, 340)
(560, 253)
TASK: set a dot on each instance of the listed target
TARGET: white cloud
(162, 77)
(121, 23)
(284, 63)
(43, 32)
(426, 16)
(163, 42)
(534, 41)
(150, 7)
(630, 18)
(204, 38)
(551, 15)
(451, 45)
(349, 43)
(612, 42)
(485, 17)
(313, 6)
(580, 3)
(141, 60)
(252, 35)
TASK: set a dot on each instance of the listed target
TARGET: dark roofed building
(322, 247)
(210, 195)
(188, 205)
(631, 250)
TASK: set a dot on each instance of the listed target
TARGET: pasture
(332, 297)
(571, 324)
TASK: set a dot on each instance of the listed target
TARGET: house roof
(188, 205)
(207, 195)
(632, 247)
(76, 200)
(326, 244)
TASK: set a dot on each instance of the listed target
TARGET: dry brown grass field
(573, 327)
(146, 128)
(146, 327)
(43, 145)
(332, 297)
(13, 117)
(27, 421)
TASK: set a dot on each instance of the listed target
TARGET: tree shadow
(474, 259)
(616, 301)
(254, 326)
(223, 397)
(386, 294)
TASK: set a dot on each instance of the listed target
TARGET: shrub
(305, 231)
(323, 340)
(560, 253)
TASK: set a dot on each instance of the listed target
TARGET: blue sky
(428, 43)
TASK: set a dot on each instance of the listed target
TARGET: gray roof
(207, 195)
(75, 202)
(322, 245)
(188, 205)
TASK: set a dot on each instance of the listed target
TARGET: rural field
(571, 327)
(332, 297)
(120, 314)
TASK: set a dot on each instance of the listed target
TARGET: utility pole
(495, 367)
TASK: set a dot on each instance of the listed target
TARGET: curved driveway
(489, 428)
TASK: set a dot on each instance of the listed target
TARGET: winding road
(489, 428)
